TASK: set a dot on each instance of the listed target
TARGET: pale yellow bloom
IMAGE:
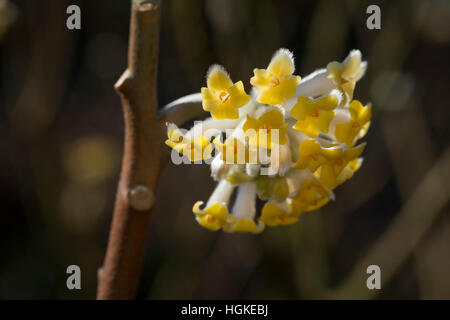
(278, 214)
(313, 155)
(194, 150)
(276, 83)
(330, 171)
(260, 131)
(223, 98)
(311, 196)
(358, 125)
(245, 225)
(213, 217)
(314, 115)
(345, 74)
(236, 151)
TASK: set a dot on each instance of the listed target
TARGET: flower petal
(218, 79)
(282, 63)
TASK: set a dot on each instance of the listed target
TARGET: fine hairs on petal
(215, 67)
(364, 65)
(361, 71)
(284, 51)
(171, 126)
(353, 53)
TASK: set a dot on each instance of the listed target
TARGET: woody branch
(141, 164)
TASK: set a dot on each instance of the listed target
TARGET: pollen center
(274, 81)
(224, 96)
(314, 156)
(315, 113)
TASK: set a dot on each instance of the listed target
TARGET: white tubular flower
(314, 85)
(289, 143)
(244, 211)
(218, 167)
(215, 214)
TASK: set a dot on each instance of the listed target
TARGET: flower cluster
(289, 143)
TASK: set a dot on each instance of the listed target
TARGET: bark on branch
(141, 164)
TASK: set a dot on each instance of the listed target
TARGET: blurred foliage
(61, 133)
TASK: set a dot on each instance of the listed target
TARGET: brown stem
(143, 152)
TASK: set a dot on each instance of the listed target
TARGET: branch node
(122, 84)
(145, 5)
(141, 198)
(100, 273)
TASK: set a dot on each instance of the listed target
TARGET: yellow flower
(312, 155)
(213, 217)
(349, 170)
(194, 150)
(245, 225)
(288, 145)
(345, 74)
(358, 125)
(311, 196)
(276, 84)
(260, 130)
(330, 171)
(223, 98)
(275, 215)
(314, 116)
(234, 151)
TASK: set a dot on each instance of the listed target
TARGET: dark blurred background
(61, 135)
